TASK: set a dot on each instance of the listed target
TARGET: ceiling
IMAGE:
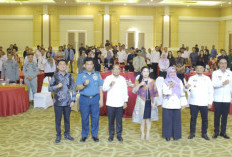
(187, 3)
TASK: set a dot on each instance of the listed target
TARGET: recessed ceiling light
(208, 2)
(88, 3)
(124, 4)
(65, 2)
(229, 2)
(151, 0)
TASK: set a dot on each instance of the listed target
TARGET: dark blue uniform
(89, 101)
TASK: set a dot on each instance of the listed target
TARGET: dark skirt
(147, 110)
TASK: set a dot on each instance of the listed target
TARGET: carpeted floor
(33, 133)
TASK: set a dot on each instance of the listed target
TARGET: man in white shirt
(122, 56)
(41, 60)
(200, 99)
(117, 97)
(221, 79)
(155, 56)
(104, 51)
(3, 58)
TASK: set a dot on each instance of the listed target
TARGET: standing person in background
(74, 51)
(60, 54)
(194, 57)
(41, 60)
(30, 71)
(163, 65)
(138, 63)
(108, 61)
(130, 58)
(82, 47)
(221, 79)
(49, 65)
(148, 58)
(80, 62)
(69, 56)
(173, 91)
(53, 54)
(97, 62)
(145, 107)
(63, 85)
(230, 60)
(213, 52)
(196, 48)
(155, 57)
(117, 97)
(171, 58)
(180, 66)
(10, 69)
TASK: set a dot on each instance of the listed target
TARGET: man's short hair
(30, 54)
(60, 60)
(10, 53)
(88, 59)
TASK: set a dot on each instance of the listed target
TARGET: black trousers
(154, 66)
(204, 116)
(65, 110)
(115, 113)
(171, 124)
(221, 112)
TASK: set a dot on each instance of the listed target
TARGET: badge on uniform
(95, 77)
(84, 77)
(219, 77)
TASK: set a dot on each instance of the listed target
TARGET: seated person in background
(30, 71)
(10, 69)
(108, 61)
(49, 65)
(163, 65)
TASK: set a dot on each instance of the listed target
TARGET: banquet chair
(43, 99)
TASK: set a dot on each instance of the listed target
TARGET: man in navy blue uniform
(90, 83)
(62, 84)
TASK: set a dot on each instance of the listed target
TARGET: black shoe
(83, 139)
(168, 139)
(205, 137)
(95, 139)
(58, 138)
(110, 139)
(215, 135)
(191, 136)
(120, 139)
(224, 136)
(68, 137)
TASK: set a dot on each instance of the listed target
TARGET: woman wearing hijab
(174, 100)
(163, 65)
(49, 65)
(145, 109)
(109, 61)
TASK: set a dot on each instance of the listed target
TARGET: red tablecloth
(13, 100)
(187, 76)
(126, 75)
(40, 78)
(130, 105)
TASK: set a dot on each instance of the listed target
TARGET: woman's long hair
(141, 76)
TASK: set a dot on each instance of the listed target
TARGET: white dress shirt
(200, 91)
(186, 54)
(173, 102)
(222, 93)
(117, 94)
(155, 56)
(121, 56)
(47, 66)
(163, 66)
(37, 54)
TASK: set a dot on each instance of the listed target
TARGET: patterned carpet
(32, 134)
